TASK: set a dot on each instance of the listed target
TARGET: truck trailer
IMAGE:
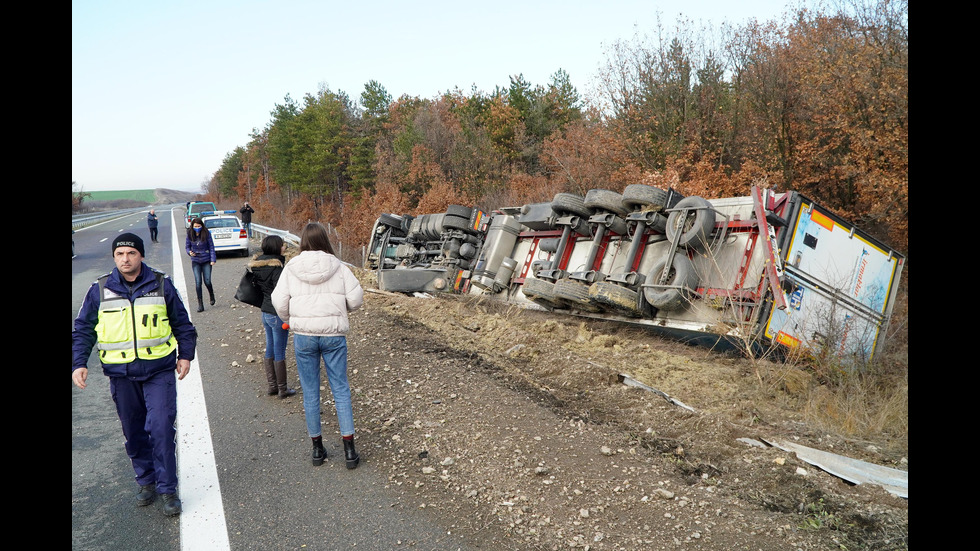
(772, 271)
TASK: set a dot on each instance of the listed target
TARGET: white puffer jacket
(314, 294)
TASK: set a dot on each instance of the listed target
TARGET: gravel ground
(513, 427)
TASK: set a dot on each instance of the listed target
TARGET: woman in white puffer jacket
(313, 296)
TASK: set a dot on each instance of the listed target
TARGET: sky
(163, 91)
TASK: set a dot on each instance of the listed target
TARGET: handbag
(247, 291)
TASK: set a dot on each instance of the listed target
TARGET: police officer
(145, 340)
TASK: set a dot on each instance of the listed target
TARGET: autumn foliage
(816, 103)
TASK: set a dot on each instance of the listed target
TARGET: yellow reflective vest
(128, 330)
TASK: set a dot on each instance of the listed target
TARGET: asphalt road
(267, 495)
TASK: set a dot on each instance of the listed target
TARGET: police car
(226, 231)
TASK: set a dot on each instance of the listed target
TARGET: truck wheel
(641, 195)
(459, 210)
(682, 276)
(603, 199)
(540, 291)
(574, 294)
(453, 222)
(691, 228)
(615, 297)
(568, 203)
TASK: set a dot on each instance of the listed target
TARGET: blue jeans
(275, 337)
(201, 269)
(309, 349)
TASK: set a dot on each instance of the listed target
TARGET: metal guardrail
(88, 219)
(82, 221)
(294, 239)
(286, 236)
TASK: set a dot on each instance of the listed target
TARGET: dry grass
(874, 401)
(571, 354)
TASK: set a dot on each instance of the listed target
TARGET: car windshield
(221, 223)
(201, 207)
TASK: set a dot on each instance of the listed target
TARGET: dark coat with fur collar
(265, 270)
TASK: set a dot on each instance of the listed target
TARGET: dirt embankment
(514, 426)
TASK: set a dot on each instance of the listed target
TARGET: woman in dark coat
(265, 273)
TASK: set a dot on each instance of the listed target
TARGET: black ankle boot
(319, 453)
(211, 294)
(350, 454)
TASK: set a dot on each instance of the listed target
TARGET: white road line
(202, 523)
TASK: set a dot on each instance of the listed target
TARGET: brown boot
(270, 377)
(284, 391)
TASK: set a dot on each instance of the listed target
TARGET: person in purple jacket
(200, 247)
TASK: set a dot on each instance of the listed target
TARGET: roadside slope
(513, 426)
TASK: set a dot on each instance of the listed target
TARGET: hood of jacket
(314, 267)
(266, 261)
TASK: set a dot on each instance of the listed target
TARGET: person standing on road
(137, 320)
(200, 247)
(152, 222)
(247, 211)
(314, 294)
(266, 269)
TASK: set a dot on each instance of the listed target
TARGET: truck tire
(568, 203)
(681, 275)
(615, 298)
(691, 228)
(574, 294)
(603, 199)
(638, 196)
(459, 210)
(540, 291)
(453, 222)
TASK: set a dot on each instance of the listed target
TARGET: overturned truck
(770, 271)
